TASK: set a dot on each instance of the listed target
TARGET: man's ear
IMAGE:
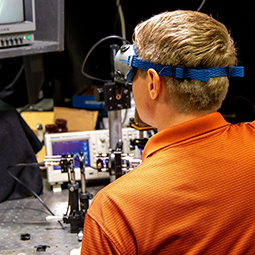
(154, 85)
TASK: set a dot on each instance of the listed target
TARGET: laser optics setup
(79, 156)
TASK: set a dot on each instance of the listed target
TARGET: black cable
(25, 164)
(91, 167)
(27, 187)
(85, 164)
(8, 88)
(90, 51)
(201, 5)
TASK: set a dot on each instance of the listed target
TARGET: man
(194, 191)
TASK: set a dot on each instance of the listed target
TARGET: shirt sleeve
(95, 241)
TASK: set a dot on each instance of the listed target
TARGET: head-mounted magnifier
(126, 63)
(122, 63)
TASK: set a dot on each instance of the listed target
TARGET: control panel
(16, 40)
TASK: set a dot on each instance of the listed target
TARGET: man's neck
(172, 118)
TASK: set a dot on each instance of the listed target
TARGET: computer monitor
(17, 22)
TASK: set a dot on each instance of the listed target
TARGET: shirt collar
(183, 131)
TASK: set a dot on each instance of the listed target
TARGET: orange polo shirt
(194, 193)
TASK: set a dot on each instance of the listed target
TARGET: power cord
(8, 89)
(201, 5)
(42, 164)
(27, 187)
(91, 50)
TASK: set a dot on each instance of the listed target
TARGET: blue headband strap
(200, 74)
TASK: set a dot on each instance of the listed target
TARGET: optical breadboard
(91, 143)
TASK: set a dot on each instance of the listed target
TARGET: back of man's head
(189, 39)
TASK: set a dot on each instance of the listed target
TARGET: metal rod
(115, 131)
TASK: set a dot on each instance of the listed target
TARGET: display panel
(71, 148)
(11, 11)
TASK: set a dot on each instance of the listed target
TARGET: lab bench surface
(28, 216)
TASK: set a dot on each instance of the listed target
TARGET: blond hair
(189, 39)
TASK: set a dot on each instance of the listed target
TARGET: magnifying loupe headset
(127, 61)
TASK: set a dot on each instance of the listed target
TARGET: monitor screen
(71, 148)
(11, 11)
